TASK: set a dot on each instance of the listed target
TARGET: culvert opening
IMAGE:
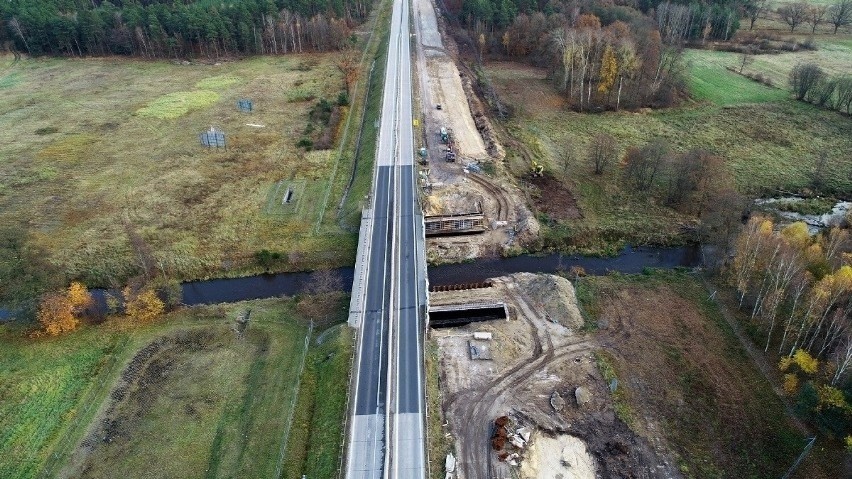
(459, 315)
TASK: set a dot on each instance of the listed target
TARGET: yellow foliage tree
(814, 254)
(791, 384)
(805, 361)
(79, 296)
(56, 314)
(848, 441)
(797, 234)
(609, 70)
(785, 363)
(833, 397)
(143, 306)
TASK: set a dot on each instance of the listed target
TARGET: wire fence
(344, 432)
(286, 435)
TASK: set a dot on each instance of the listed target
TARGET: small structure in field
(213, 138)
(245, 105)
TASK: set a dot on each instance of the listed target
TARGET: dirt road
(538, 354)
(455, 187)
(441, 84)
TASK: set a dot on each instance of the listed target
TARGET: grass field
(314, 444)
(709, 76)
(768, 141)
(42, 387)
(711, 81)
(683, 375)
(186, 394)
(91, 149)
(439, 444)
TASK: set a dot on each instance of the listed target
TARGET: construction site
(470, 212)
(520, 388)
(524, 389)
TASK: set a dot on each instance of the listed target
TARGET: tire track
(496, 192)
(475, 407)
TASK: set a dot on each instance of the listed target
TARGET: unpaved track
(495, 192)
(473, 410)
(441, 83)
(537, 352)
(758, 358)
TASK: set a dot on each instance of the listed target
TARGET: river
(630, 260)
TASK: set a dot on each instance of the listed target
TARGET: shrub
(809, 44)
(804, 77)
(142, 306)
(343, 99)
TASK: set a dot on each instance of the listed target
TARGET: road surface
(387, 429)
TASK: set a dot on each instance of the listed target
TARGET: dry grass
(767, 145)
(685, 377)
(87, 145)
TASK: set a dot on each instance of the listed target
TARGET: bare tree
(816, 16)
(836, 243)
(804, 77)
(644, 164)
(840, 14)
(842, 357)
(683, 173)
(321, 297)
(324, 281)
(819, 172)
(801, 285)
(794, 14)
(755, 9)
(567, 157)
(674, 21)
(722, 219)
(602, 152)
(15, 25)
(749, 247)
(147, 262)
(746, 58)
(782, 272)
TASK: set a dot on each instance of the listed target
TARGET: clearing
(683, 375)
(712, 81)
(98, 151)
(105, 401)
(648, 382)
(769, 143)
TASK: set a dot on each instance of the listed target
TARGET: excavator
(537, 168)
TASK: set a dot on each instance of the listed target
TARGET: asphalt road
(387, 432)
